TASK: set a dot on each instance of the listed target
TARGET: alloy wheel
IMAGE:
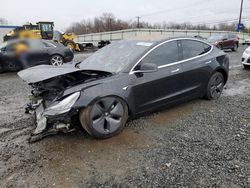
(56, 60)
(217, 86)
(106, 115)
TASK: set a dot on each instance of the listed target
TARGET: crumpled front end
(54, 93)
(52, 116)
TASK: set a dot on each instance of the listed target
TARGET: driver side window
(163, 55)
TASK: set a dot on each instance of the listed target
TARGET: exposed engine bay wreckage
(54, 106)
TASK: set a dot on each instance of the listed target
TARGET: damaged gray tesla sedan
(124, 79)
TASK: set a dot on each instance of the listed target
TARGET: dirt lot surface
(197, 144)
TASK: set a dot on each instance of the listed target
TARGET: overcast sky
(63, 13)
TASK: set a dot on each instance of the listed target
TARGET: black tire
(215, 86)
(246, 66)
(235, 47)
(71, 45)
(110, 114)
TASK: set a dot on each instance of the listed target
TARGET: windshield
(116, 56)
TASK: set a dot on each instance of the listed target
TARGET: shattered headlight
(62, 106)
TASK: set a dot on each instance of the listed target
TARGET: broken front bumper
(45, 125)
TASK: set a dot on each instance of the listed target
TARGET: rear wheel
(56, 60)
(105, 118)
(215, 86)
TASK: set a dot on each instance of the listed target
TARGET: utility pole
(241, 7)
(138, 21)
(110, 24)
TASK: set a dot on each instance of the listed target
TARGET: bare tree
(108, 22)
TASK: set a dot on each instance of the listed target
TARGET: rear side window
(37, 44)
(207, 48)
(163, 55)
(192, 48)
(48, 45)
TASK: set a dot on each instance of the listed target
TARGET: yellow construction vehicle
(44, 30)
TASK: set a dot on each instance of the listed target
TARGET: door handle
(176, 70)
(208, 62)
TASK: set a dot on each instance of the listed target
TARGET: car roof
(25, 40)
(156, 42)
(33, 40)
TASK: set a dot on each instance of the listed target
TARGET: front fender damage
(53, 100)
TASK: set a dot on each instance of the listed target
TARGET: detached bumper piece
(43, 128)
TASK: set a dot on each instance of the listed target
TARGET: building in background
(4, 29)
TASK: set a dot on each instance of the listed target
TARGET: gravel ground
(197, 144)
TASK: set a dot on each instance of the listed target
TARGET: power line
(216, 21)
(174, 9)
(217, 13)
(221, 21)
(195, 17)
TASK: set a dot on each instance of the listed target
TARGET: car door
(151, 90)
(38, 53)
(232, 39)
(196, 66)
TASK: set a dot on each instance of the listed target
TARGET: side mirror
(77, 65)
(147, 68)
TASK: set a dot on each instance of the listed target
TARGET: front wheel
(105, 118)
(56, 60)
(215, 86)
